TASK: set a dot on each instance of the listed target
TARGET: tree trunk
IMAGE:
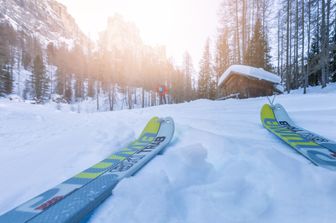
(98, 91)
(327, 41)
(287, 49)
(323, 46)
(19, 71)
(308, 50)
(243, 28)
(264, 18)
(143, 97)
(237, 33)
(282, 54)
(303, 39)
(129, 97)
(111, 96)
(279, 18)
(296, 53)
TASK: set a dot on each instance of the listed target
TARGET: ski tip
(279, 107)
(168, 120)
(266, 113)
(152, 126)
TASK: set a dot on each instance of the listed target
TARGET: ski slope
(222, 165)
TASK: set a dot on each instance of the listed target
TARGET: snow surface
(222, 165)
(244, 70)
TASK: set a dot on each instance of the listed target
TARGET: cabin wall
(246, 87)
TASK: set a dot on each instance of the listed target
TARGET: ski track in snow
(221, 166)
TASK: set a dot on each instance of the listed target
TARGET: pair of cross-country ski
(75, 198)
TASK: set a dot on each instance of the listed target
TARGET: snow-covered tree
(39, 80)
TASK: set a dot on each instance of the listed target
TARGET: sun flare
(179, 25)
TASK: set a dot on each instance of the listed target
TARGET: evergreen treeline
(242, 39)
(305, 42)
(304, 53)
(103, 72)
(7, 35)
(77, 73)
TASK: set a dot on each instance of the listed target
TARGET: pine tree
(6, 78)
(63, 85)
(39, 80)
(51, 52)
(78, 55)
(187, 70)
(60, 81)
(333, 63)
(206, 82)
(258, 51)
(90, 87)
(26, 59)
(79, 86)
(222, 54)
(313, 61)
(68, 89)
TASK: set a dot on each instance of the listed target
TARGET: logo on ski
(49, 203)
(132, 160)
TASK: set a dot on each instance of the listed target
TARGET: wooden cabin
(240, 81)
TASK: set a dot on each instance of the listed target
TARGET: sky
(179, 25)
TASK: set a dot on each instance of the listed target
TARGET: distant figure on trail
(163, 90)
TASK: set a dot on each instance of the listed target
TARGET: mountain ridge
(47, 20)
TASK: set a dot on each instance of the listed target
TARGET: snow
(11, 22)
(221, 166)
(244, 70)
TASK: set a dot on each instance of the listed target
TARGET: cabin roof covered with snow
(257, 73)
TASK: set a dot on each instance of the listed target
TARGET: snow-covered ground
(222, 165)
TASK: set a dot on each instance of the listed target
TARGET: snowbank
(222, 165)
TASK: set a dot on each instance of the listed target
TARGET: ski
(319, 150)
(283, 118)
(76, 197)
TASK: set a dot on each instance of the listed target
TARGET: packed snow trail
(221, 166)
